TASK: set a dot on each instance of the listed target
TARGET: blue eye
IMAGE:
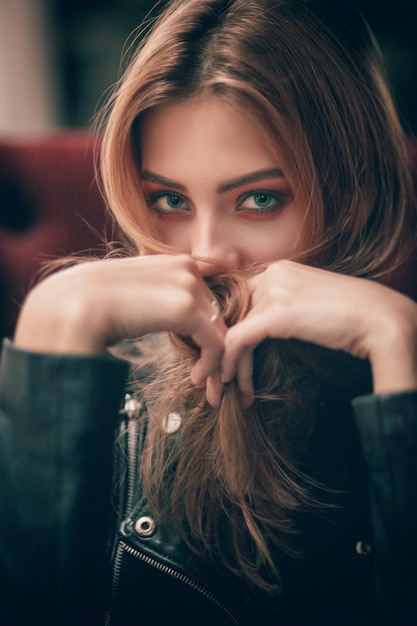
(262, 201)
(174, 201)
(164, 202)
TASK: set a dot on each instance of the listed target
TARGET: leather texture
(72, 544)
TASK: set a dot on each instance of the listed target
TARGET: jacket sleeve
(57, 423)
(387, 427)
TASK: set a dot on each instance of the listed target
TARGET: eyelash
(279, 199)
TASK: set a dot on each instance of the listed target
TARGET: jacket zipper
(132, 442)
(132, 432)
(124, 547)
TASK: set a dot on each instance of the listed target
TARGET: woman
(254, 159)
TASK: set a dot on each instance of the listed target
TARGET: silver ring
(215, 310)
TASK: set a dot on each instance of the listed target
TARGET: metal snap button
(363, 548)
(145, 526)
(172, 423)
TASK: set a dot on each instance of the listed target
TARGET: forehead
(198, 130)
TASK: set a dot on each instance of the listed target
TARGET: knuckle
(188, 281)
(186, 305)
(186, 264)
(279, 269)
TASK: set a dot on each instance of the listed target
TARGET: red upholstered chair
(50, 207)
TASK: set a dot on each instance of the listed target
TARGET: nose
(213, 246)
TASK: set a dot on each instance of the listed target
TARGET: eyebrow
(161, 180)
(253, 177)
(250, 178)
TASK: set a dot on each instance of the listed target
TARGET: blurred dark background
(90, 35)
(85, 40)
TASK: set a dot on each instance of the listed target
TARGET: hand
(90, 306)
(361, 317)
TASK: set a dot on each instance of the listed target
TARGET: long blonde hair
(231, 480)
(311, 72)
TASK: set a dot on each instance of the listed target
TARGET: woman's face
(215, 188)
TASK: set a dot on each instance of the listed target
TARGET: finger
(209, 336)
(215, 311)
(244, 336)
(214, 389)
(245, 377)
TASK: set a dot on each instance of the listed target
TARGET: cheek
(171, 231)
(282, 238)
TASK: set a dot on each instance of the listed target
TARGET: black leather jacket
(70, 553)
